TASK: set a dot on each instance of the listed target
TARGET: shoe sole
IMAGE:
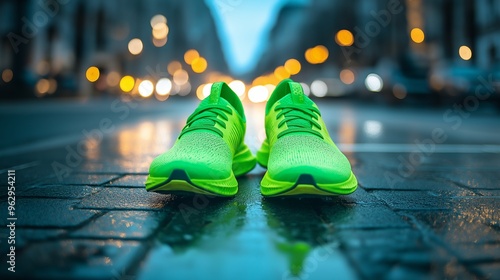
(179, 182)
(306, 186)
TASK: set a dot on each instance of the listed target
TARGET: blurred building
(412, 46)
(58, 40)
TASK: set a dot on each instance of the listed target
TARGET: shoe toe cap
(200, 155)
(294, 156)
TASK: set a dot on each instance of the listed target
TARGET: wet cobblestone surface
(439, 222)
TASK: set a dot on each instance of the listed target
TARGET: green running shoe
(300, 156)
(209, 153)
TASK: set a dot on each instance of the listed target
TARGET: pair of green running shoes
(300, 156)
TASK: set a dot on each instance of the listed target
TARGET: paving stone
(57, 213)
(122, 225)
(397, 263)
(419, 200)
(134, 166)
(77, 259)
(59, 191)
(488, 270)
(478, 253)
(476, 179)
(82, 179)
(482, 209)
(379, 182)
(361, 216)
(29, 176)
(136, 181)
(397, 238)
(456, 227)
(127, 199)
(490, 192)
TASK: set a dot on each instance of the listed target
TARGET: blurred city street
(424, 208)
(92, 91)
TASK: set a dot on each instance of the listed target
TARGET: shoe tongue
(297, 99)
(213, 99)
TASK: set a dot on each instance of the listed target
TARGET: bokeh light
(317, 55)
(417, 35)
(135, 46)
(160, 31)
(280, 73)
(191, 55)
(157, 19)
(319, 88)
(163, 86)
(399, 91)
(52, 86)
(344, 38)
(127, 83)
(465, 52)
(347, 76)
(146, 88)
(238, 87)
(258, 94)
(7, 75)
(173, 67)
(199, 65)
(113, 79)
(42, 87)
(374, 83)
(92, 74)
(293, 66)
(159, 42)
(180, 77)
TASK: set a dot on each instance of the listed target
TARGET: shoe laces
(206, 118)
(298, 119)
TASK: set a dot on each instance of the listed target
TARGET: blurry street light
(317, 55)
(191, 55)
(417, 35)
(160, 31)
(238, 87)
(319, 88)
(258, 94)
(180, 77)
(163, 86)
(281, 73)
(127, 83)
(293, 66)
(159, 42)
(92, 74)
(146, 88)
(374, 83)
(113, 79)
(135, 46)
(42, 87)
(199, 65)
(158, 19)
(7, 75)
(344, 38)
(347, 76)
(173, 67)
(465, 53)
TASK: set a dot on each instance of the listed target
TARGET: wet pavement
(427, 205)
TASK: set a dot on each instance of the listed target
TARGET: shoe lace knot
(298, 119)
(206, 118)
